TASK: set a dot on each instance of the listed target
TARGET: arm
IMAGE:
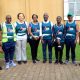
(64, 31)
(41, 37)
(1, 39)
(0, 33)
(40, 30)
(52, 25)
(29, 32)
(77, 32)
(27, 25)
(53, 31)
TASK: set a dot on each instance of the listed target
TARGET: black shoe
(56, 62)
(79, 64)
(61, 62)
(37, 60)
(34, 61)
(50, 61)
(44, 61)
(0, 68)
(24, 62)
(19, 62)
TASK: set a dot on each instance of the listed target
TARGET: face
(45, 17)
(58, 19)
(8, 19)
(70, 18)
(21, 17)
(35, 18)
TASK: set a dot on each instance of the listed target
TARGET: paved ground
(40, 71)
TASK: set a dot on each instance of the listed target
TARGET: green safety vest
(4, 34)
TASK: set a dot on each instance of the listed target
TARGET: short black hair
(8, 16)
(34, 15)
(59, 17)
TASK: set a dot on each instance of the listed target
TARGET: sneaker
(74, 62)
(0, 68)
(34, 61)
(24, 62)
(44, 61)
(56, 62)
(19, 62)
(66, 62)
(61, 62)
(12, 64)
(7, 65)
(37, 60)
(50, 61)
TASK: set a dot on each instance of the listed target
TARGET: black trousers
(70, 45)
(34, 47)
(59, 51)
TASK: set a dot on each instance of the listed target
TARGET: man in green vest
(8, 41)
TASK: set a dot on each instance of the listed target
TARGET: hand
(58, 41)
(1, 50)
(34, 38)
(0, 43)
(42, 41)
(37, 38)
(75, 41)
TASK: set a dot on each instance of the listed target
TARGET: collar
(46, 21)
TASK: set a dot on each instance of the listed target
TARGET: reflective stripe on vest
(4, 34)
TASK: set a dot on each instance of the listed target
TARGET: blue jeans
(44, 48)
(8, 48)
(70, 44)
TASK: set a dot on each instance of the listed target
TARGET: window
(72, 6)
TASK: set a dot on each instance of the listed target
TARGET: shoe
(34, 61)
(74, 62)
(61, 62)
(56, 62)
(50, 61)
(44, 61)
(37, 60)
(79, 64)
(24, 62)
(19, 62)
(7, 65)
(0, 68)
(66, 62)
(12, 64)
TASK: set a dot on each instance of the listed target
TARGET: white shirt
(24, 36)
(46, 23)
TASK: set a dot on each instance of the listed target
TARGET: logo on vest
(59, 32)
(46, 28)
(70, 28)
(22, 29)
(10, 30)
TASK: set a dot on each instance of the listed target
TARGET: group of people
(15, 37)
